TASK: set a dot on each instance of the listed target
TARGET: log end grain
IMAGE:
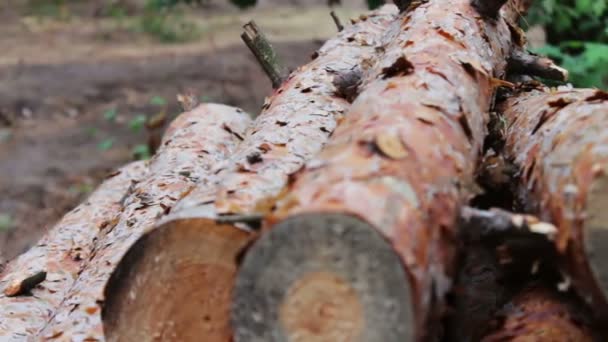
(322, 277)
(175, 284)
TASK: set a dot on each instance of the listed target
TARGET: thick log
(61, 254)
(542, 314)
(293, 126)
(193, 143)
(400, 163)
(558, 139)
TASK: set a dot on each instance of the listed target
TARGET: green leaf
(138, 122)
(6, 222)
(205, 98)
(110, 114)
(158, 101)
(106, 144)
(141, 151)
(92, 131)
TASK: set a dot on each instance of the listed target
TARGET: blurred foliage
(162, 20)
(372, 4)
(577, 37)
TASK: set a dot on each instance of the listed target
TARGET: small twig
(523, 62)
(482, 224)
(187, 100)
(231, 219)
(23, 285)
(337, 21)
(262, 50)
(488, 8)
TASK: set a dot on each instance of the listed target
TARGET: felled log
(60, 255)
(558, 140)
(208, 230)
(396, 170)
(541, 314)
(193, 143)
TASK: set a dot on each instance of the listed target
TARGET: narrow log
(61, 254)
(399, 163)
(193, 143)
(558, 139)
(541, 314)
(220, 219)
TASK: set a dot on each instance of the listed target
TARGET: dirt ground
(69, 88)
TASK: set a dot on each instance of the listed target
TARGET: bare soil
(58, 78)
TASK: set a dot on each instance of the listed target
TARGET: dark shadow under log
(323, 277)
(172, 284)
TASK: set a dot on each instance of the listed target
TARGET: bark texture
(293, 126)
(558, 139)
(404, 156)
(540, 314)
(295, 123)
(62, 253)
(193, 143)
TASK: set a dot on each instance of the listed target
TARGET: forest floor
(72, 92)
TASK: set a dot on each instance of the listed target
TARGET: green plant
(373, 4)
(243, 3)
(110, 114)
(587, 62)
(138, 122)
(141, 151)
(163, 21)
(106, 144)
(577, 37)
(57, 9)
(6, 222)
(158, 101)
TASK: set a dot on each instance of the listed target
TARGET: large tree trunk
(558, 139)
(62, 254)
(207, 231)
(194, 142)
(400, 163)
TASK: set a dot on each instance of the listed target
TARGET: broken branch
(261, 48)
(488, 8)
(523, 62)
(337, 21)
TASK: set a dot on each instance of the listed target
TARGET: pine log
(541, 314)
(61, 254)
(391, 180)
(209, 229)
(558, 140)
(193, 143)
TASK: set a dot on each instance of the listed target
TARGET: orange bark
(194, 142)
(62, 253)
(404, 156)
(558, 140)
(540, 314)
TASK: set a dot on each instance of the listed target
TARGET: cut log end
(489, 9)
(322, 277)
(175, 284)
(596, 234)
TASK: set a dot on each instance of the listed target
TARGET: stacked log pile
(346, 210)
